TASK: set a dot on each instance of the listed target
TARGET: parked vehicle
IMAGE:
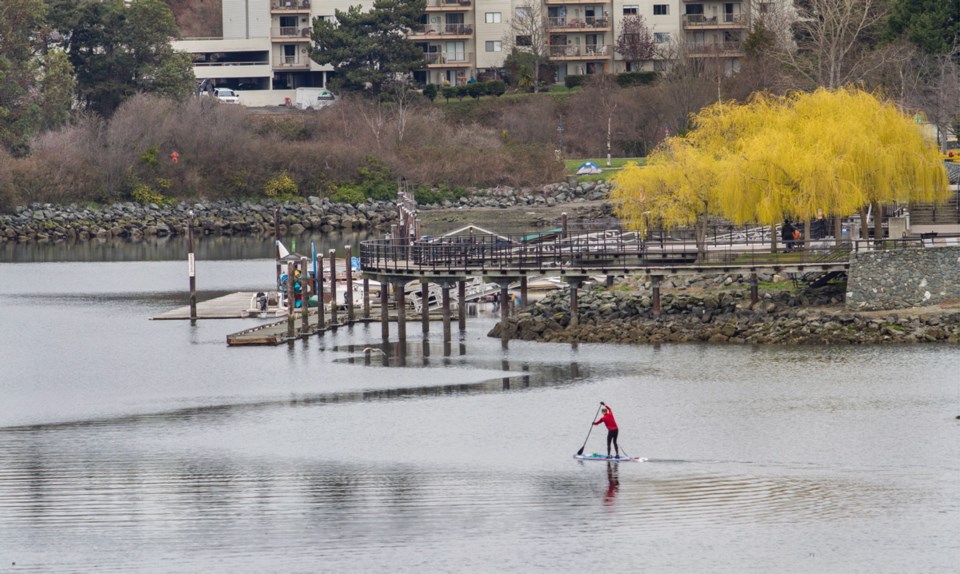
(314, 98)
(951, 150)
(226, 95)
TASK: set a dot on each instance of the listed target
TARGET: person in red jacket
(612, 429)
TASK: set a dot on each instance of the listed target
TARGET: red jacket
(608, 420)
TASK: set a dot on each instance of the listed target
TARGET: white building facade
(264, 48)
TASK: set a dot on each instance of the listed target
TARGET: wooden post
(574, 310)
(320, 318)
(609, 281)
(655, 280)
(424, 306)
(290, 317)
(348, 258)
(754, 288)
(366, 297)
(504, 310)
(384, 308)
(523, 291)
(446, 311)
(192, 266)
(462, 304)
(276, 241)
(304, 298)
(563, 225)
(333, 288)
(399, 297)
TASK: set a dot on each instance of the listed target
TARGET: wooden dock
(279, 332)
(227, 307)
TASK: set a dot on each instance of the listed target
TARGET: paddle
(579, 452)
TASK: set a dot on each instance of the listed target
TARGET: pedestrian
(612, 430)
(786, 233)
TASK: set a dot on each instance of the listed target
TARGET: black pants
(612, 437)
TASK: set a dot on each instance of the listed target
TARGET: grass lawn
(616, 164)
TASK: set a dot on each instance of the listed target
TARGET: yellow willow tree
(829, 152)
(677, 187)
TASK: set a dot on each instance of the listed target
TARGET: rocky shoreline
(725, 317)
(45, 223)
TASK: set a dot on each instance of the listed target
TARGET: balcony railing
(449, 4)
(588, 51)
(298, 5)
(725, 20)
(291, 32)
(443, 30)
(554, 23)
(714, 48)
(583, 2)
(450, 60)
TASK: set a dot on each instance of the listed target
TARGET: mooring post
(523, 291)
(445, 289)
(754, 288)
(384, 308)
(574, 310)
(399, 297)
(304, 298)
(366, 298)
(192, 265)
(425, 305)
(655, 282)
(320, 318)
(290, 316)
(563, 225)
(348, 258)
(333, 288)
(276, 241)
(609, 281)
(462, 304)
(504, 309)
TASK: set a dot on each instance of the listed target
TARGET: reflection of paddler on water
(613, 483)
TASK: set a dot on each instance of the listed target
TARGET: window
(523, 41)
(661, 9)
(766, 7)
(522, 12)
(661, 37)
(631, 10)
(494, 46)
(492, 18)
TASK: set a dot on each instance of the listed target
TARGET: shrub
(449, 92)
(427, 195)
(430, 92)
(574, 81)
(348, 193)
(461, 92)
(475, 90)
(628, 79)
(376, 179)
(281, 186)
(496, 87)
(145, 194)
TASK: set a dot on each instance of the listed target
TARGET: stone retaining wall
(903, 278)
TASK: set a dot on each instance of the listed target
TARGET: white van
(314, 98)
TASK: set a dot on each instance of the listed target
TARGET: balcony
(289, 6)
(445, 31)
(576, 52)
(448, 5)
(443, 60)
(290, 34)
(582, 2)
(724, 22)
(714, 50)
(292, 63)
(564, 24)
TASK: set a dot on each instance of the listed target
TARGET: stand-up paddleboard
(602, 457)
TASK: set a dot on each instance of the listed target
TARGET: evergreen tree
(932, 25)
(369, 48)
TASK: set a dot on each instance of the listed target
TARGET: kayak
(603, 457)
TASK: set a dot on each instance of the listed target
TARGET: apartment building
(261, 47)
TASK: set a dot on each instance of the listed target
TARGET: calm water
(135, 445)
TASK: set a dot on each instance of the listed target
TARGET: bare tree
(604, 92)
(528, 32)
(834, 40)
(635, 41)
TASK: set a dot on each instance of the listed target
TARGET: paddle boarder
(612, 429)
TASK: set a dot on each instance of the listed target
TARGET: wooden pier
(227, 307)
